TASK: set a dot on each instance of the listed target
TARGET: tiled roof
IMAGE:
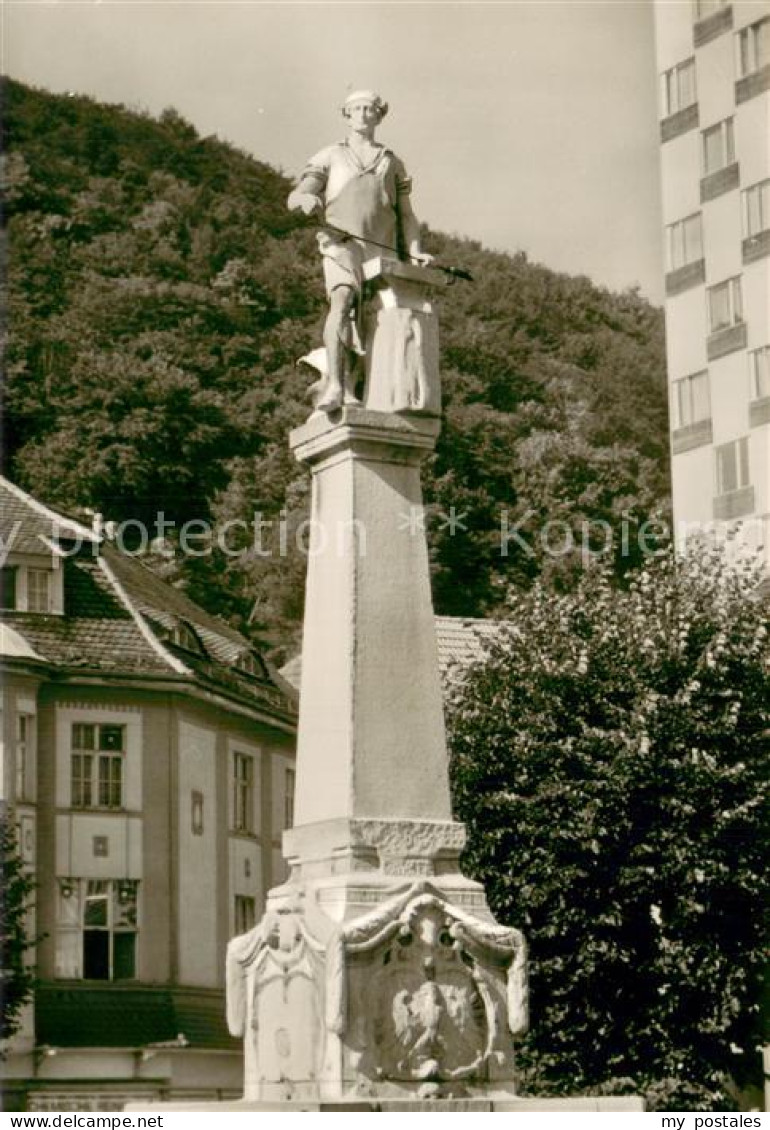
(119, 616)
(26, 523)
(460, 642)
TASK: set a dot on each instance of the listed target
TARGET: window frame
(759, 373)
(672, 87)
(685, 396)
(749, 47)
(243, 792)
(725, 129)
(734, 291)
(244, 913)
(39, 595)
(25, 750)
(289, 785)
(78, 948)
(702, 9)
(762, 189)
(110, 892)
(9, 586)
(677, 242)
(739, 473)
(97, 772)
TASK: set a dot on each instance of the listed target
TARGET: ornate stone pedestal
(377, 969)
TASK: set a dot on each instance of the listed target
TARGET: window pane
(81, 780)
(38, 590)
(762, 40)
(123, 956)
(760, 373)
(719, 307)
(712, 148)
(95, 913)
(111, 737)
(82, 736)
(744, 44)
(675, 247)
(96, 955)
(701, 406)
(8, 586)
(743, 462)
(244, 913)
(693, 243)
(728, 153)
(110, 774)
(686, 84)
(737, 300)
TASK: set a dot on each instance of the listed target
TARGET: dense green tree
(611, 759)
(16, 974)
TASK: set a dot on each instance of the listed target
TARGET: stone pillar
(371, 725)
(377, 968)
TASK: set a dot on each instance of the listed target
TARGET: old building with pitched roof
(148, 761)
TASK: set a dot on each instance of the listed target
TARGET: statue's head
(367, 96)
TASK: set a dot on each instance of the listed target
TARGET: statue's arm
(308, 194)
(410, 232)
(409, 225)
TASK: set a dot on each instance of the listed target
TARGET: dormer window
(185, 636)
(8, 586)
(250, 664)
(38, 590)
(26, 586)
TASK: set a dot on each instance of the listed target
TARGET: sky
(528, 125)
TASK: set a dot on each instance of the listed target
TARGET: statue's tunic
(362, 200)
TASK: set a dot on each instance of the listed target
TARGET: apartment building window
(38, 590)
(288, 798)
(98, 752)
(732, 466)
(759, 371)
(725, 305)
(756, 208)
(243, 792)
(704, 8)
(684, 242)
(692, 401)
(245, 913)
(754, 47)
(679, 88)
(25, 756)
(718, 147)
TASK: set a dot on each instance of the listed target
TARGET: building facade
(713, 60)
(148, 761)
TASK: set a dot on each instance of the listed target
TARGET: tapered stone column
(371, 727)
(377, 968)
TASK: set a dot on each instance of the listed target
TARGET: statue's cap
(366, 96)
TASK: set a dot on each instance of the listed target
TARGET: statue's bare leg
(337, 342)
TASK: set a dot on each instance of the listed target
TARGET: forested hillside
(159, 296)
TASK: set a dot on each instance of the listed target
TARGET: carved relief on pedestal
(274, 999)
(434, 993)
(417, 993)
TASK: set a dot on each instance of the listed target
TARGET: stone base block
(618, 1103)
(373, 986)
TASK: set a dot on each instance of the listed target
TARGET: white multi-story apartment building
(713, 59)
